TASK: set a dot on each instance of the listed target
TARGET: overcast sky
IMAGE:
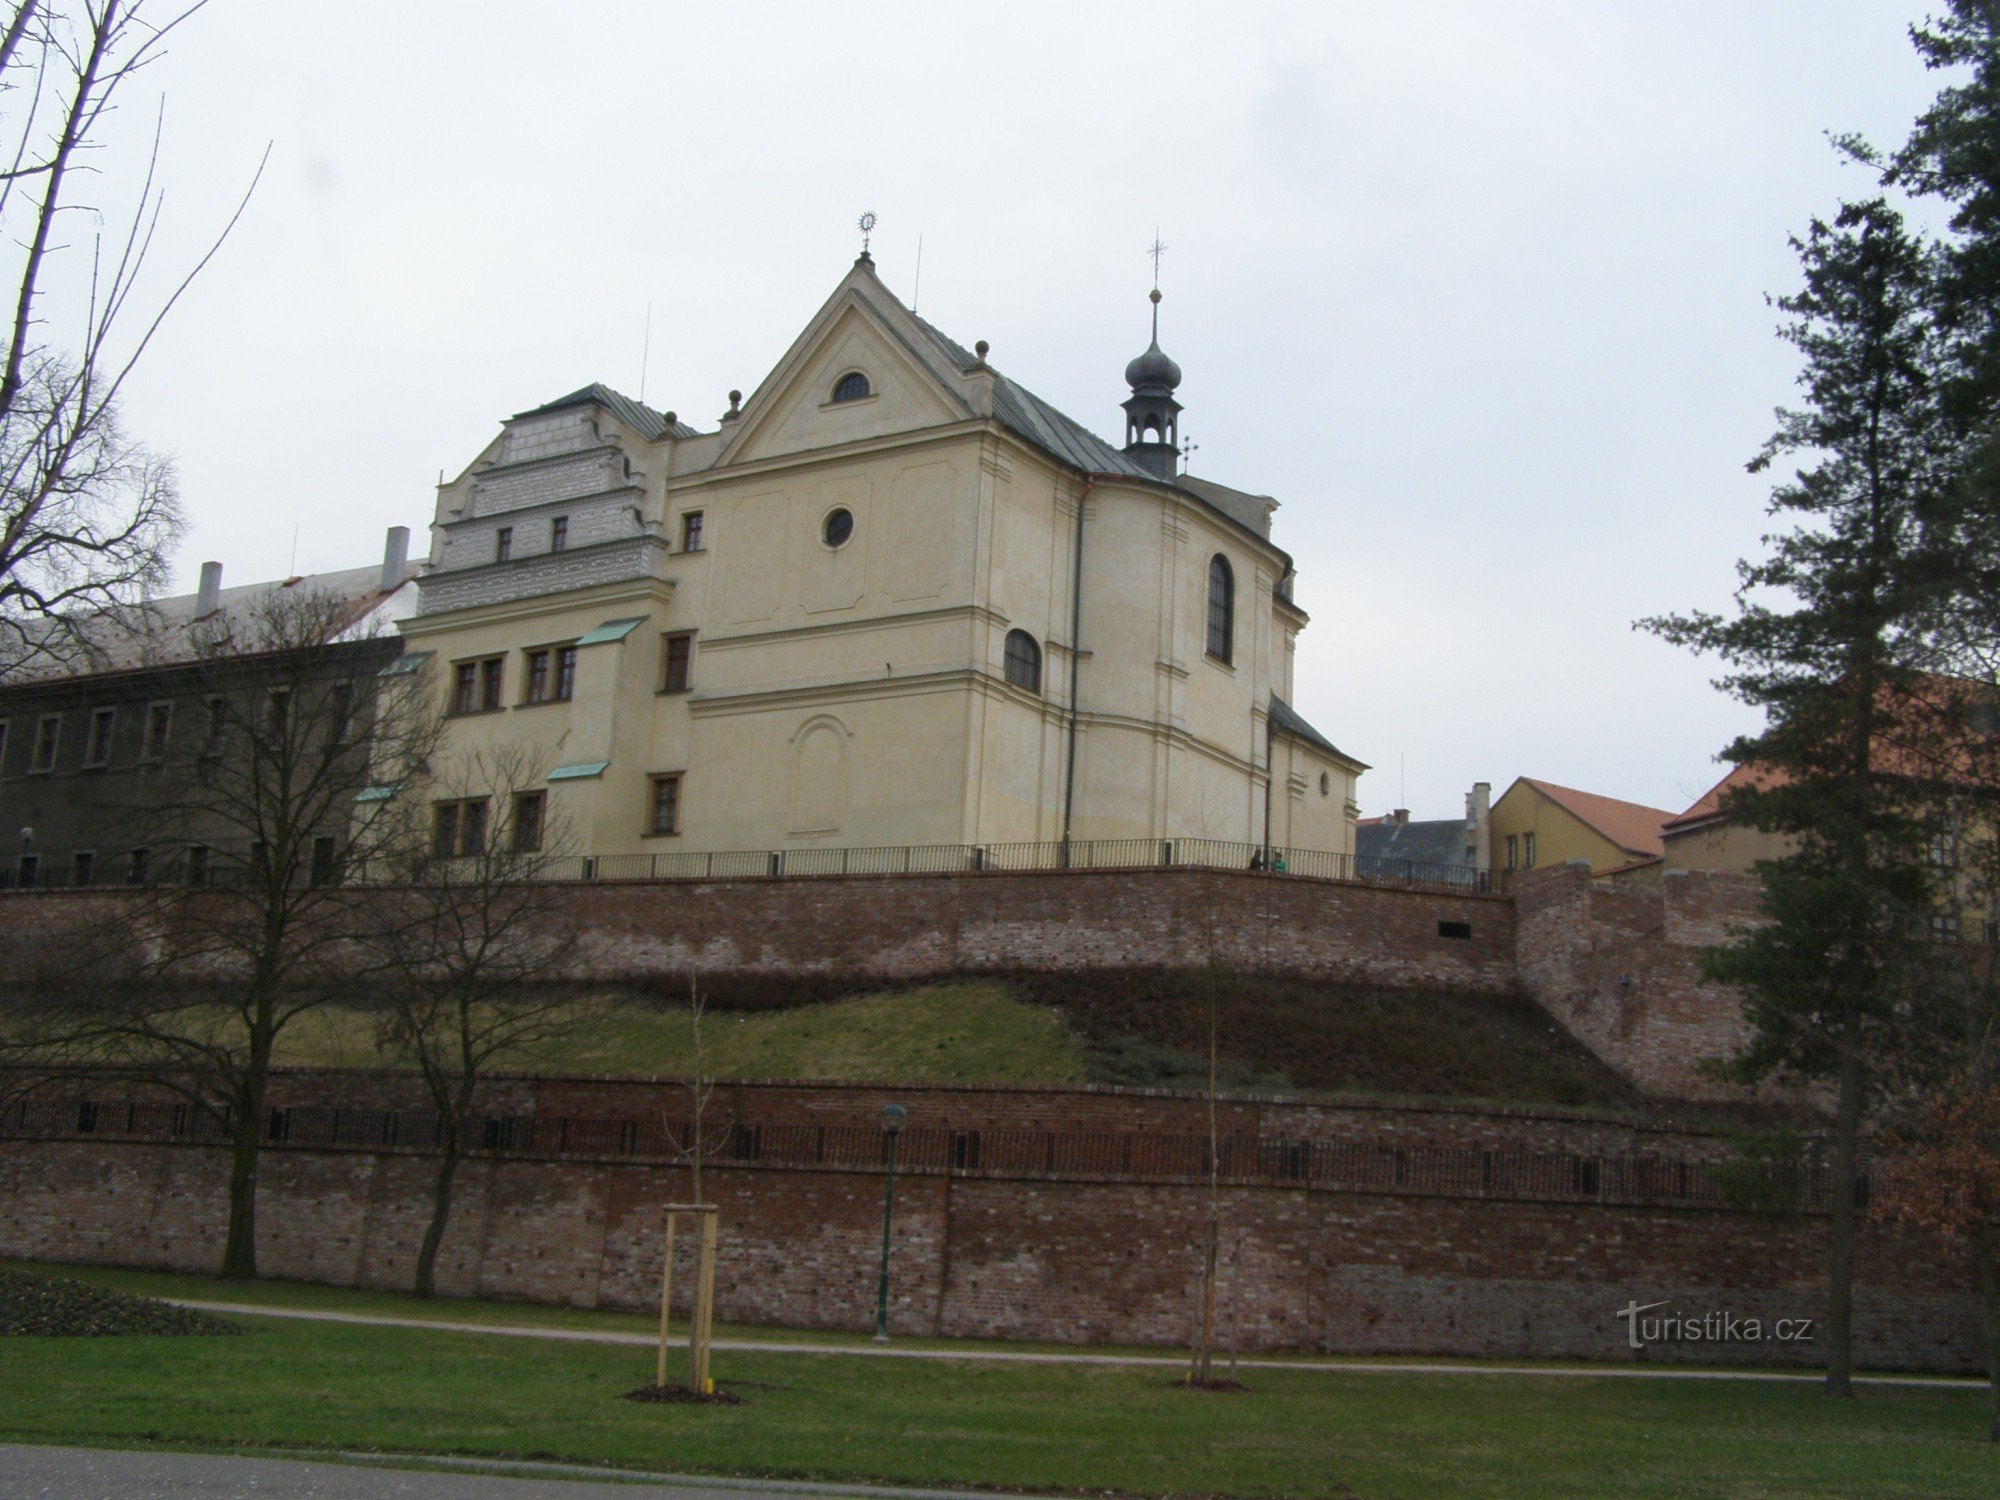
(1475, 290)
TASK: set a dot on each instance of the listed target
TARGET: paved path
(33, 1473)
(1057, 1357)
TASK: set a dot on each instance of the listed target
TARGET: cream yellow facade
(844, 561)
(1537, 823)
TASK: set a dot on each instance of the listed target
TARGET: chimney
(1400, 815)
(1479, 826)
(395, 557)
(208, 598)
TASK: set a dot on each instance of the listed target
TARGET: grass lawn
(304, 1385)
(972, 1031)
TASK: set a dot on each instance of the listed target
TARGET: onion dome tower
(1152, 415)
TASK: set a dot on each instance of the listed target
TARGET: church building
(893, 599)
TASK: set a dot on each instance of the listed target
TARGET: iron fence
(219, 868)
(1124, 1156)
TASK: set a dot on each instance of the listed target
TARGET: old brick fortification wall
(1035, 1107)
(1011, 1255)
(1619, 966)
(914, 927)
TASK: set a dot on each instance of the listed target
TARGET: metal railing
(221, 870)
(1128, 1156)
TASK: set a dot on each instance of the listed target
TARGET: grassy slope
(973, 1031)
(1139, 1028)
(1284, 1034)
(1043, 1428)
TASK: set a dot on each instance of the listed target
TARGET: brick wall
(914, 927)
(1619, 966)
(924, 926)
(1010, 1256)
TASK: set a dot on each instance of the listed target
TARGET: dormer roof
(642, 419)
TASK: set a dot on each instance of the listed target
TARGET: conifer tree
(1829, 639)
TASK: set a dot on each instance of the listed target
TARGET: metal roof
(1286, 720)
(1021, 411)
(1433, 841)
(612, 630)
(642, 419)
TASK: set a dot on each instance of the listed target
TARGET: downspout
(1270, 775)
(1075, 657)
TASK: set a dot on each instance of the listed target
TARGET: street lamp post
(893, 1118)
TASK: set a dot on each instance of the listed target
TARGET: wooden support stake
(666, 1296)
(705, 1303)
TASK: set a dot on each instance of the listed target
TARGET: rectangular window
(339, 713)
(458, 828)
(558, 533)
(97, 749)
(691, 531)
(325, 857)
(565, 673)
(664, 810)
(472, 826)
(218, 724)
(1944, 849)
(1513, 852)
(678, 657)
(83, 864)
(1944, 929)
(197, 864)
(48, 734)
(279, 717)
(159, 720)
(30, 870)
(465, 687)
(444, 830)
(137, 865)
(528, 807)
(538, 677)
(490, 673)
(503, 544)
(3, 748)
(1528, 851)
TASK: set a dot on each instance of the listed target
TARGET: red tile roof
(1630, 825)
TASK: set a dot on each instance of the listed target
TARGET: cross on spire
(1156, 250)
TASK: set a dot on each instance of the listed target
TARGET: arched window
(851, 386)
(1221, 608)
(1024, 661)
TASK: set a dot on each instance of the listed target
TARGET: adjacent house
(86, 753)
(1539, 823)
(1396, 847)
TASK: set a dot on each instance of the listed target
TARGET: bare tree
(470, 953)
(264, 815)
(700, 1088)
(86, 514)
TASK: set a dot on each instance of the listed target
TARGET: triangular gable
(860, 327)
(1631, 826)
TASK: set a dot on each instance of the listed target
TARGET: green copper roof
(408, 662)
(611, 630)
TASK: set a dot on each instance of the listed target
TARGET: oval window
(837, 527)
(1325, 783)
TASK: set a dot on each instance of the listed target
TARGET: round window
(837, 527)
(1325, 783)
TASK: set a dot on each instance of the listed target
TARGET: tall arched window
(1221, 608)
(850, 387)
(1024, 661)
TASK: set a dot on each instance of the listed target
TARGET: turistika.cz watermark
(1714, 1327)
